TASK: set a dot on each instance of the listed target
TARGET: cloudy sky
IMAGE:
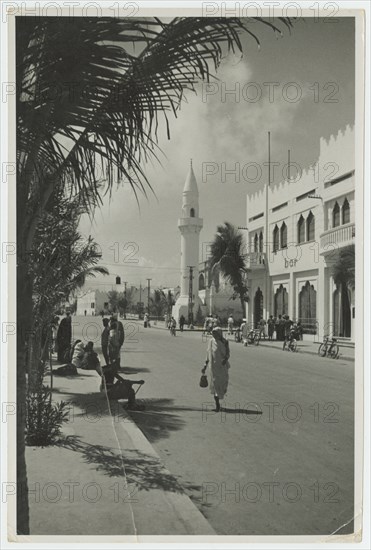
(223, 132)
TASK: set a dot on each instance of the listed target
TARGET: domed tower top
(190, 195)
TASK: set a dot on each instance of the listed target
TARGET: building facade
(296, 230)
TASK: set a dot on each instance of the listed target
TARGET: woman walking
(217, 359)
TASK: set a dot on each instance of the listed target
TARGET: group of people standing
(282, 326)
(112, 340)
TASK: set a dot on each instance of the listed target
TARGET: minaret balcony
(189, 222)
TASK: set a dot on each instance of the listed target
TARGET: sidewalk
(304, 346)
(104, 478)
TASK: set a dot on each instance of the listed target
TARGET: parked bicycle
(253, 337)
(329, 348)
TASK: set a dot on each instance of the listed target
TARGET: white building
(307, 221)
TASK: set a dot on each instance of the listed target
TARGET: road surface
(277, 461)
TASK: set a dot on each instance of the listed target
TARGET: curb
(187, 512)
(183, 506)
(308, 352)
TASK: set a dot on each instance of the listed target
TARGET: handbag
(203, 381)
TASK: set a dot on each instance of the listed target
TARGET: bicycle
(292, 345)
(253, 337)
(329, 349)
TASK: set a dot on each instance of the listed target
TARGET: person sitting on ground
(90, 359)
(76, 353)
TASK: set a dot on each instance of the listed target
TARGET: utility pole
(190, 295)
(125, 283)
(267, 189)
(149, 292)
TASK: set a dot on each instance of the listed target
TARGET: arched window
(261, 242)
(283, 235)
(336, 215)
(256, 243)
(275, 239)
(310, 227)
(345, 212)
(192, 213)
(301, 230)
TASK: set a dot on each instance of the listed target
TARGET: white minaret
(189, 225)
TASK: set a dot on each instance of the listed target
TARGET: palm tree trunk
(24, 315)
(243, 306)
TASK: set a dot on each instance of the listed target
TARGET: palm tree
(227, 255)
(158, 303)
(113, 300)
(88, 111)
(343, 272)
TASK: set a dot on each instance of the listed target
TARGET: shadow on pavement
(133, 370)
(141, 469)
(157, 420)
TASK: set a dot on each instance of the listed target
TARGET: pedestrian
(262, 324)
(218, 361)
(104, 340)
(114, 346)
(64, 336)
(230, 324)
(281, 328)
(146, 320)
(287, 326)
(166, 319)
(271, 327)
(120, 337)
(181, 322)
(300, 330)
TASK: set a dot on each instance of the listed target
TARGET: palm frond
(88, 109)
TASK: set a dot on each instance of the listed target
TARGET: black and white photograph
(184, 309)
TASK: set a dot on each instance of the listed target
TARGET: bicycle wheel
(322, 350)
(294, 346)
(334, 353)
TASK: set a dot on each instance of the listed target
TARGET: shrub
(43, 418)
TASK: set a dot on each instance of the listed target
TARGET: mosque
(202, 291)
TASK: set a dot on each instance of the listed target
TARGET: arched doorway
(201, 282)
(308, 308)
(281, 301)
(258, 307)
(342, 315)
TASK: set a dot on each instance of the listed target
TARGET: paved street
(278, 460)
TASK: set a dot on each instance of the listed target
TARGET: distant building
(294, 244)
